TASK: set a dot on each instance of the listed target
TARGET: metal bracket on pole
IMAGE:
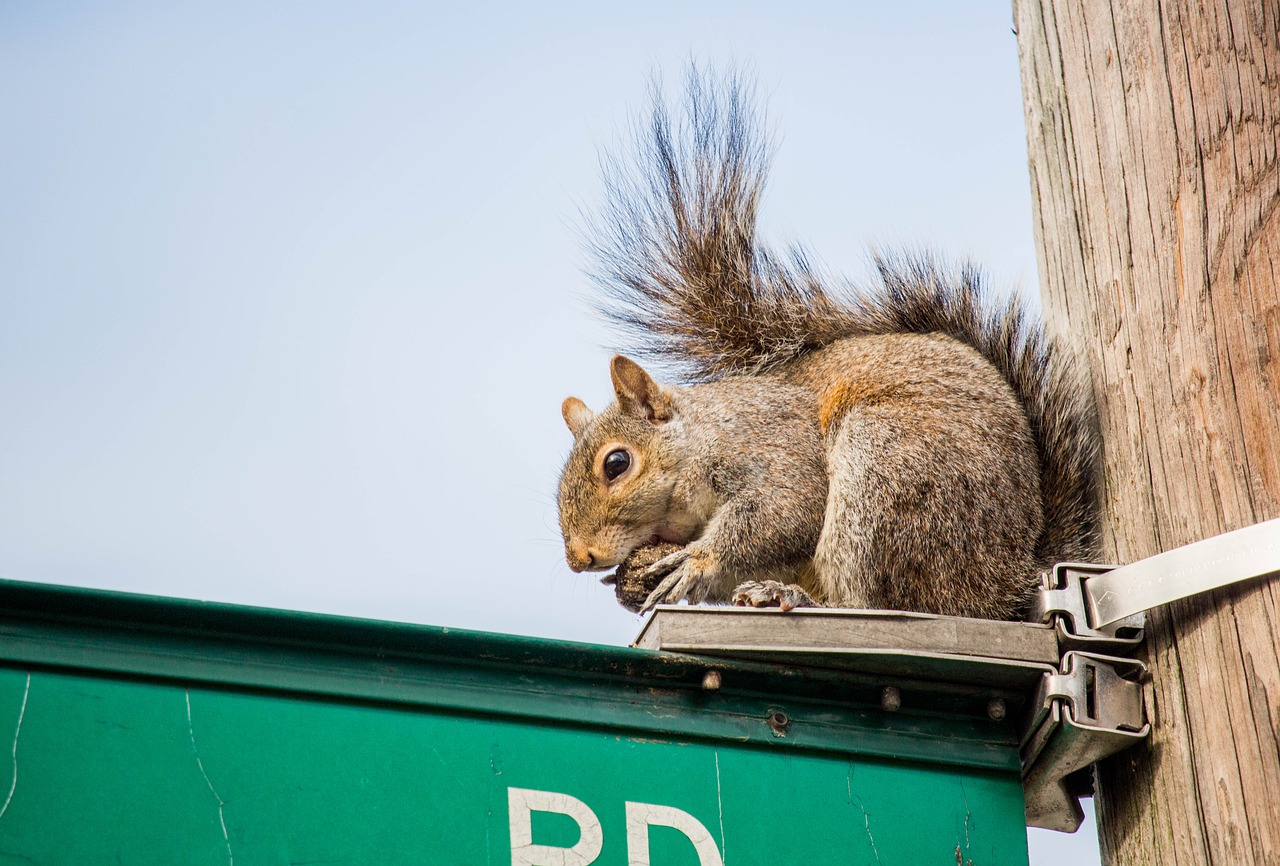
(1063, 601)
(1093, 707)
(1099, 605)
(1090, 709)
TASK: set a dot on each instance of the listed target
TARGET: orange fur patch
(839, 398)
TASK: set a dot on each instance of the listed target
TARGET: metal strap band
(1253, 551)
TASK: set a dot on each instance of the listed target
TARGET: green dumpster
(161, 731)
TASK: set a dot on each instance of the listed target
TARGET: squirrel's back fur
(683, 269)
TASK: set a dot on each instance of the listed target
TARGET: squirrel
(902, 447)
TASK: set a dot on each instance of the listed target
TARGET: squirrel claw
(682, 580)
(771, 593)
(662, 592)
(672, 566)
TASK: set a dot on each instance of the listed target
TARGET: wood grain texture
(1153, 132)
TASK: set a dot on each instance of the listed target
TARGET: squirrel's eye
(616, 463)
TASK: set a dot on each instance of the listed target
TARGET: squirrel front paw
(632, 582)
(771, 593)
(690, 573)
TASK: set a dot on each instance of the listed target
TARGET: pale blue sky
(290, 293)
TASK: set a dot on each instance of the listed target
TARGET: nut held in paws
(628, 583)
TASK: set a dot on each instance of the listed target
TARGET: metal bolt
(890, 699)
(711, 680)
(778, 723)
(996, 709)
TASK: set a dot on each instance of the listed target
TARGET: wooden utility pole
(1153, 132)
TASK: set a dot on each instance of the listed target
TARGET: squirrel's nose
(579, 558)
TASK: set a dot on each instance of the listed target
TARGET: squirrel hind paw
(771, 593)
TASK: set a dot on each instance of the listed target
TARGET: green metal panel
(162, 731)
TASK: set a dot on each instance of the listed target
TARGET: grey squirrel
(900, 447)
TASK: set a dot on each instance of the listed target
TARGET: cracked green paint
(114, 768)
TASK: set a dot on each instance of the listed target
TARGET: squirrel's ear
(576, 415)
(638, 394)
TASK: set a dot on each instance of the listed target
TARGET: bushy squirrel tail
(682, 270)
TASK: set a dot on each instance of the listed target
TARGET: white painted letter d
(641, 815)
(522, 801)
